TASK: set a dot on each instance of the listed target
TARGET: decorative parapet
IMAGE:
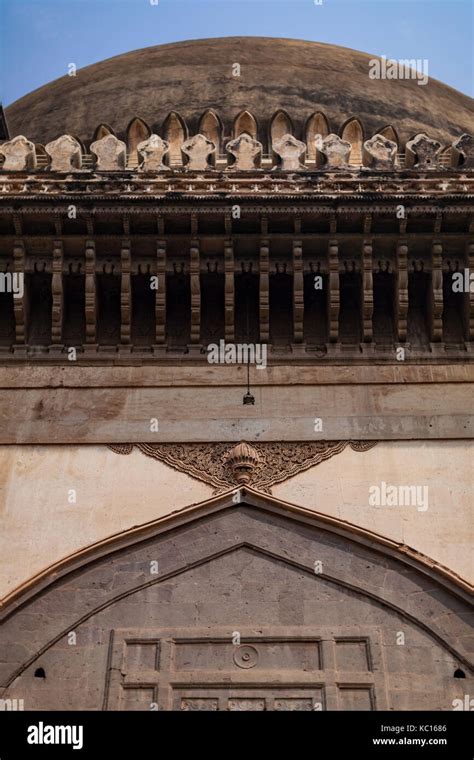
(65, 154)
(206, 151)
(152, 152)
(334, 151)
(423, 152)
(198, 150)
(246, 152)
(381, 153)
(19, 154)
(322, 185)
(463, 152)
(290, 150)
(110, 153)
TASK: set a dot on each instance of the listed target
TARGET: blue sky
(39, 38)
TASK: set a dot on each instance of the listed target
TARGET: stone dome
(190, 77)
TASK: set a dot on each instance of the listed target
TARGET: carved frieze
(264, 464)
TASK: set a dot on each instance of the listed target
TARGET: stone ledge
(197, 375)
(217, 413)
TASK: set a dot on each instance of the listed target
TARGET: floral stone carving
(224, 465)
(425, 151)
(198, 150)
(334, 150)
(19, 154)
(246, 152)
(152, 152)
(65, 154)
(110, 153)
(464, 145)
(381, 152)
(289, 149)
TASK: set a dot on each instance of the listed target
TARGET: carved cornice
(129, 185)
(217, 463)
(56, 209)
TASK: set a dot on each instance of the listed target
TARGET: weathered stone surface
(276, 73)
(381, 152)
(423, 152)
(19, 153)
(334, 150)
(100, 412)
(152, 151)
(110, 153)
(290, 150)
(65, 154)
(416, 408)
(246, 152)
(464, 145)
(199, 150)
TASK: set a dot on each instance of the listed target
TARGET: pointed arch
(317, 124)
(245, 122)
(175, 133)
(78, 588)
(280, 125)
(102, 130)
(137, 131)
(211, 127)
(363, 537)
(390, 133)
(353, 132)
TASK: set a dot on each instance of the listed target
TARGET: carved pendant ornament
(225, 465)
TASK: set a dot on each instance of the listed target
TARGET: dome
(298, 77)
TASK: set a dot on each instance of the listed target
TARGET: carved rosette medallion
(246, 656)
(260, 466)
